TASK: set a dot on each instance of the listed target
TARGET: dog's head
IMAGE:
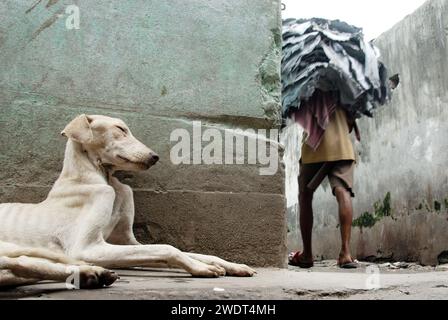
(109, 141)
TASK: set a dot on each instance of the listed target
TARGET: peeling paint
(33, 6)
(48, 23)
(366, 220)
(381, 210)
(51, 3)
(269, 77)
(432, 207)
(48, 5)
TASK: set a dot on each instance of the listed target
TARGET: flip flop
(294, 260)
(349, 265)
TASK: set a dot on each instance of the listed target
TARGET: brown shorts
(339, 173)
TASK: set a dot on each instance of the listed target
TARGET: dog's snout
(153, 158)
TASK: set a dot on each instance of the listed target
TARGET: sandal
(294, 259)
(350, 265)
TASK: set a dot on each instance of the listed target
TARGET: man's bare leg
(306, 224)
(346, 219)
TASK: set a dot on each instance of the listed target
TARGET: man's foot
(298, 259)
(347, 262)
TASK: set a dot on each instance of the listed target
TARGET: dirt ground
(325, 281)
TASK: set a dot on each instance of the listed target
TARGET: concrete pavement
(322, 282)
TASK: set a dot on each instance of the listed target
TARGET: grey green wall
(404, 151)
(158, 65)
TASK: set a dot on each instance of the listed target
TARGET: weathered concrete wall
(404, 151)
(159, 65)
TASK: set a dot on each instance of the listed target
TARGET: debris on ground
(332, 265)
(443, 258)
(442, 267)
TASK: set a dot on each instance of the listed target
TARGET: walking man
(327, 151)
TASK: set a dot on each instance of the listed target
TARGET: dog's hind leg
(37, 269)
(10, 280)
(39, 253)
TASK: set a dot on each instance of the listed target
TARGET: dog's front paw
(239, 270)
(96, 277)
(203, 270)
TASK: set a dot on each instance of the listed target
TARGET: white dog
(88, 216)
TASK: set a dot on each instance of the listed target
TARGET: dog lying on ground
(88, 215)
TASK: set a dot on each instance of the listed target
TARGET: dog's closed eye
(122, 129)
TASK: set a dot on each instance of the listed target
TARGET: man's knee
(342, 194)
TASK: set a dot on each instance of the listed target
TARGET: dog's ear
(79, 130)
